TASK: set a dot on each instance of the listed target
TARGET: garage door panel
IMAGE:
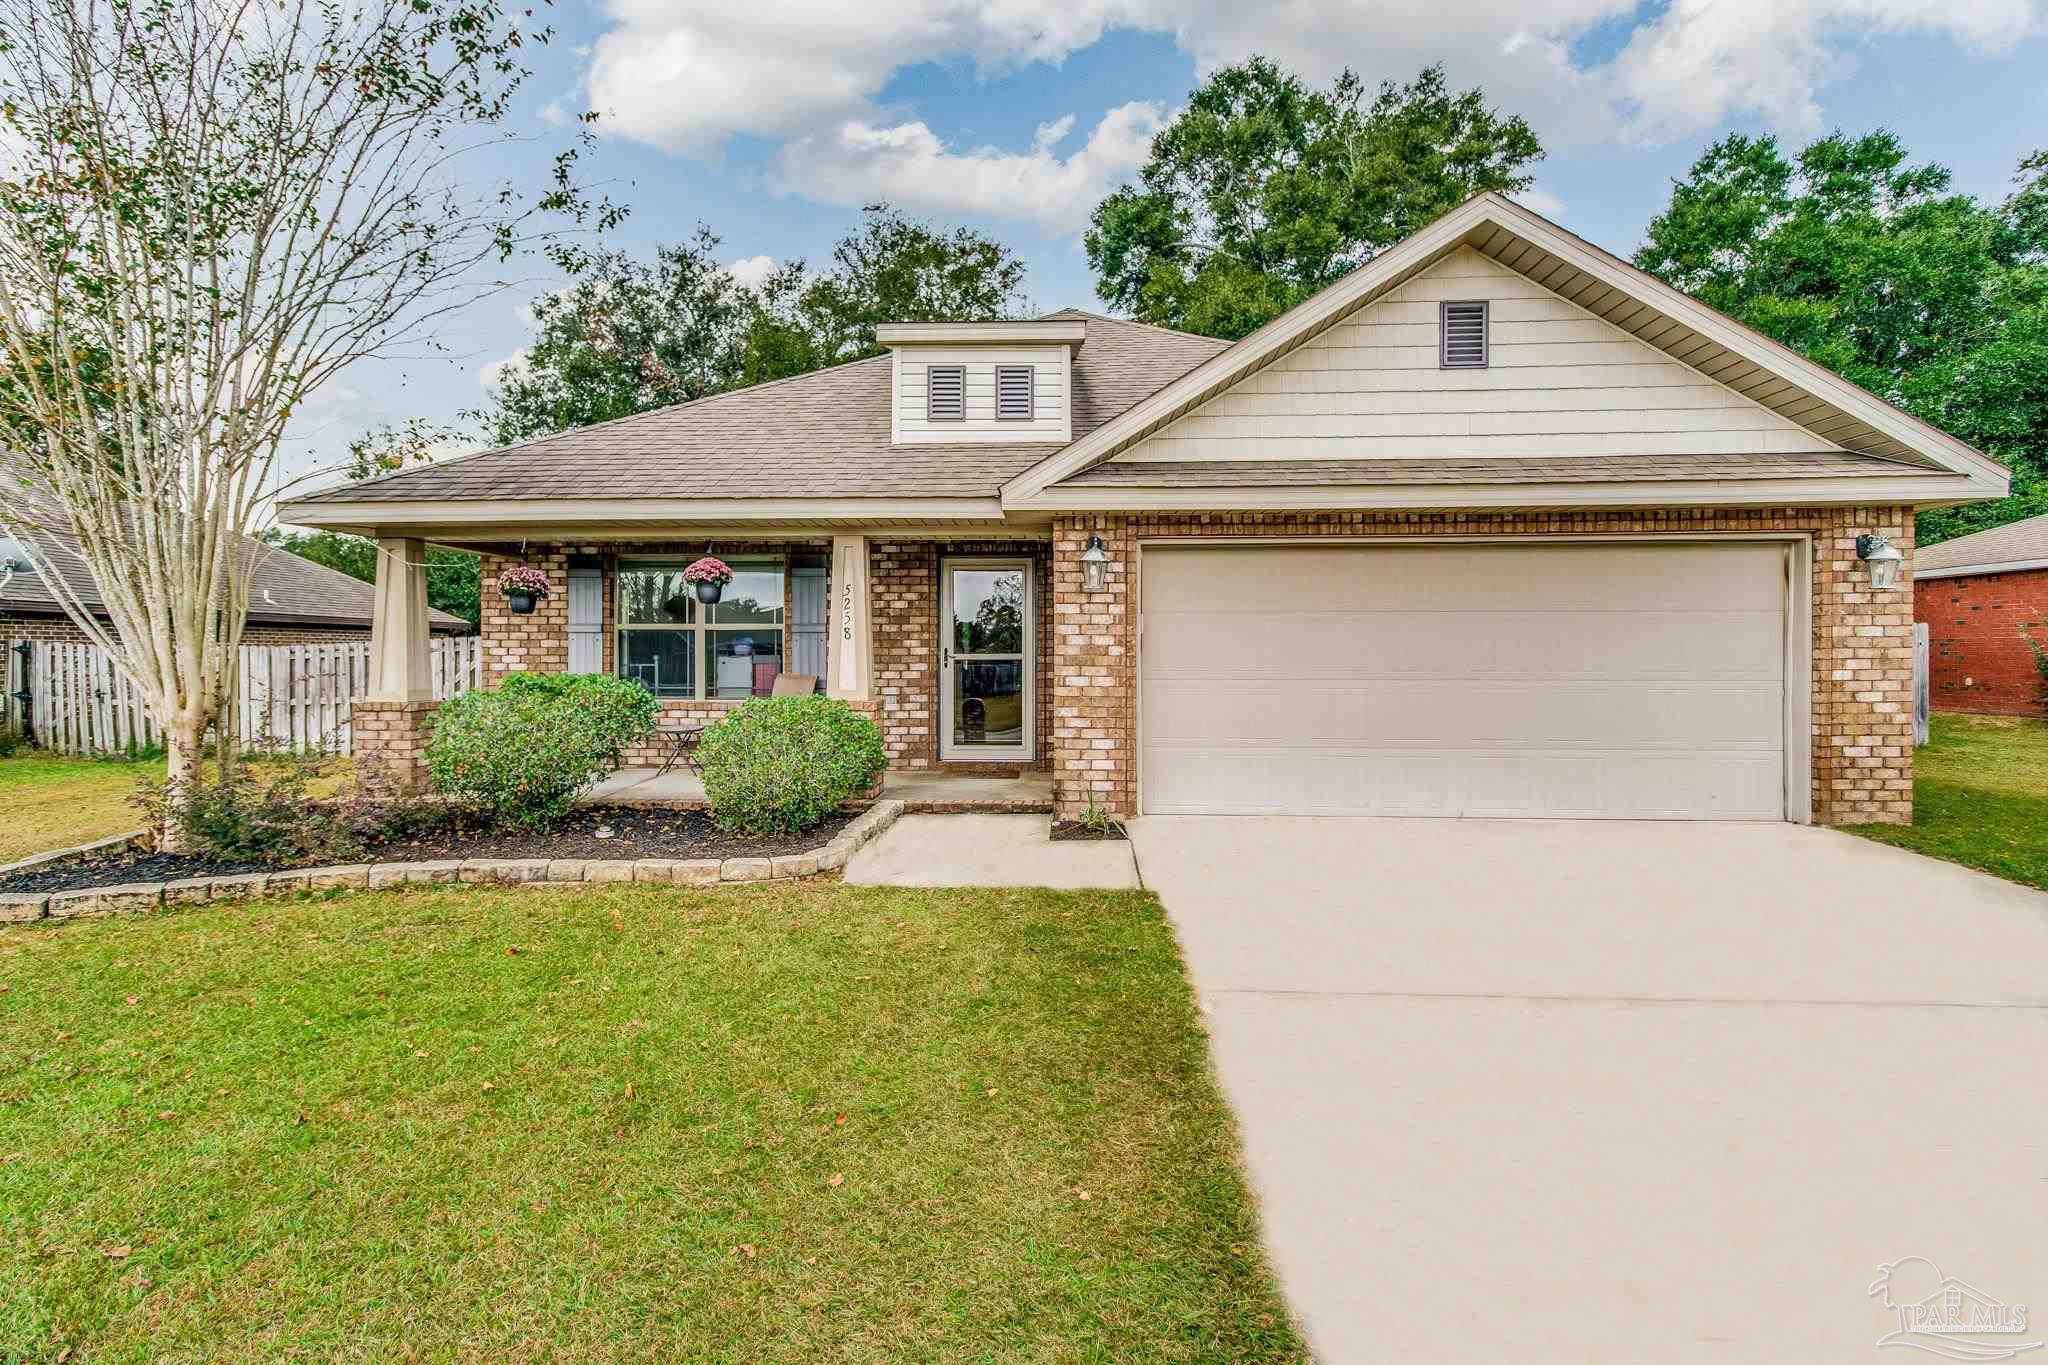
(1227, 647)
(1578, 784)
(1637, 681)
(1449, 714)
(1608, 577)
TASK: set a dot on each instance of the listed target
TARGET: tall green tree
(1878, 269)
(890, 269)
(626, 336)
(1265, 190)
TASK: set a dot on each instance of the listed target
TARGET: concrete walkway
(681, 786)
(1586, 1092)
(988, 850)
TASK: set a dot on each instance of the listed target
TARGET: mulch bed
(586, 832)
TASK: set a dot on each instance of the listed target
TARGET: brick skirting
(1977, 632)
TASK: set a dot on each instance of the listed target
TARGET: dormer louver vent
(1464, 336)
(1014, 393)
(946, 393)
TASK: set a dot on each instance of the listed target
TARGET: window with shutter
(946, 393)
(1013, 393)
(1464, 336)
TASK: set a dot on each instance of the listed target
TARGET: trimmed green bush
(524, 750)
(782, 764)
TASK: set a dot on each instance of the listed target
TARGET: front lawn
(54, 802)
(1980, 797)
(779, 1123)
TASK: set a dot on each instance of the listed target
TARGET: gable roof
(1922, 463)
(284, 589)
(817, 435)
(2002, 549)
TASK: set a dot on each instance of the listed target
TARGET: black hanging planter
(709, 593)
(521, 603)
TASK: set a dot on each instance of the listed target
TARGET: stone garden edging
(90, 902)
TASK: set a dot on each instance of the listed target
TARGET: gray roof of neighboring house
(284, 590)
(1530, 469)
(823, 434)
(2017, 542)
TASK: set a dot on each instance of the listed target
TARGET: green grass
(803, 1122)
(1980, 797)
(54, 802)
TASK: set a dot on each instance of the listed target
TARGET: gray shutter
(1464, 336)
(586, 618)
(946, 393)
(1014, 393)
(807, 620)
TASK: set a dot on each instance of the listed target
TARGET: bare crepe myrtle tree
(208, 210)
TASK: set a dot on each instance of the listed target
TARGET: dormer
(993, 383)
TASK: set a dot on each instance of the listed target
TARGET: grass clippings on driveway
(801, 1122)
(1980, 797)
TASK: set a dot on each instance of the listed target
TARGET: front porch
(921, 792)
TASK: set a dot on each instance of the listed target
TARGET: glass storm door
(986, 679)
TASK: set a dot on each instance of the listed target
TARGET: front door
(985, 650)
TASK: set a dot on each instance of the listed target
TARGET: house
(1497, 525)
(292, 601)
(1982, 597)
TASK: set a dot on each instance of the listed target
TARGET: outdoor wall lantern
(1884, 560)
(1094, 565)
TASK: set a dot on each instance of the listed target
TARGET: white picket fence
(295, 697)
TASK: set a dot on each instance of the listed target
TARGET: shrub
(781, 764)
(620, 709)
(11, 741)
(524, 751)
(262, 813)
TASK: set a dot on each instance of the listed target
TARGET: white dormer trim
(1066, 332)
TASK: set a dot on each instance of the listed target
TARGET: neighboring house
(292, 601)
(1982, 598)
(1497, 525)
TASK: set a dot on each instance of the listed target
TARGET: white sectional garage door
(1597, 681)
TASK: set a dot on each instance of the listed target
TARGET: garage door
(1617, 681)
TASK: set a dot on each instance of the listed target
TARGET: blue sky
(772, 121)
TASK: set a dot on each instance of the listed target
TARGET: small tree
(208, 209)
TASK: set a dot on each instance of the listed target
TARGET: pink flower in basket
(523, 578)
(709, 569)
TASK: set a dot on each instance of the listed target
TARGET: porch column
(850, 651)
(388, 727)
(401, 664)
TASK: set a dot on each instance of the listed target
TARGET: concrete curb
(96, 901)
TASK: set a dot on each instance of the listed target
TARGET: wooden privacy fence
(295, 697)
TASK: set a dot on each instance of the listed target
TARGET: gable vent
(1464, 336)
(946, 393)
(1013, 393)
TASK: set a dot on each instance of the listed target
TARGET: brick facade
(513, 643)
(1862, 730)
(60, 628)
(389, 744)
(1977, 631)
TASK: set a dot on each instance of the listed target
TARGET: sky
(773, 121)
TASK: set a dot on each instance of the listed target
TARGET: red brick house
(1497, 526)
(1982, 597)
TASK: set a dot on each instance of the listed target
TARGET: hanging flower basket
(523, 588)
(708, 576)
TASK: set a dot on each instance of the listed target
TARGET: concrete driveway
(1585, 1092)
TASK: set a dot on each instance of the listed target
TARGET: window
(946, 393)
(1014, 393)
(1464, 336)
(676, 646)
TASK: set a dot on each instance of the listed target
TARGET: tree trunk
(183, 741)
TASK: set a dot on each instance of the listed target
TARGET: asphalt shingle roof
(823, 434)
(2017, 542)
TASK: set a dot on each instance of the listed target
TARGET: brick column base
(389, 741)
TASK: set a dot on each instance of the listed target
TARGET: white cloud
(685, 77)
(752, 270)
(909, 164)
(494, 373)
